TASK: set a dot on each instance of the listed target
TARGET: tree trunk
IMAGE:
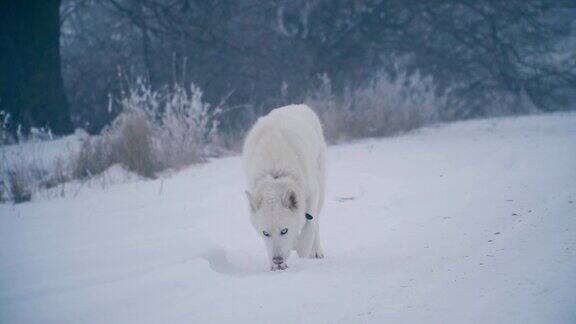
(31, 86)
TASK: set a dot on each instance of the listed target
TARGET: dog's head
(277, 215)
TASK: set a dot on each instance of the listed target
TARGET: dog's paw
(282, 266)
(318, 254)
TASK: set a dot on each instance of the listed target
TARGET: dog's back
(288, 140)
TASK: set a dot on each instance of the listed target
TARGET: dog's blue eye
(284, 231)
(265, 233)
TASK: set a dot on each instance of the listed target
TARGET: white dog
(284, 157)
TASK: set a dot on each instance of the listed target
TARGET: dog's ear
(290, 200)
(254, 203)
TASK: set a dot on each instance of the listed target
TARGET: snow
(42, 152)
(34, 160)
(472, 222)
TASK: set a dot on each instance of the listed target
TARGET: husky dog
(284, 155)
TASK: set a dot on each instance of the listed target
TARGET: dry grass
(382, 108)
(128, 142)
(155, 131)
(133, 147)
(19, 186)
(92, 159)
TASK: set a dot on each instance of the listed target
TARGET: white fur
(284, 159)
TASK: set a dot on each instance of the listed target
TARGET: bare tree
(31, 87)
(255, 55)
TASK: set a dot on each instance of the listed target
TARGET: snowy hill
(473, 222)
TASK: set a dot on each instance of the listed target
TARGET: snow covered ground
(41, 153)
(473, 222)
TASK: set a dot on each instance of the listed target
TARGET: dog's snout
(278, 260)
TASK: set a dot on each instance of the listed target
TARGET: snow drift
(473, 222)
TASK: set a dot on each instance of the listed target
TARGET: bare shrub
(133, 146)
(20, 186)
(29, 166)
(156, 130)
(384, 107)
(128, 141)
(26, 172)
(58, 174)
(92, 158)
(332, 111)
(186, 128)
(388, 107)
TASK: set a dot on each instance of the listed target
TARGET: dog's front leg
(305, 240)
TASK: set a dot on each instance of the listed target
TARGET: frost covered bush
(127, 142)
(20, 186)
(156, 130)
(24, 168)
(383, 107)
(23, 171)
(92, 158)
(332, 111)
(186, 128)
(133, 145)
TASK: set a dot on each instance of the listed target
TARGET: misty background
(249, 56)
(162, 84)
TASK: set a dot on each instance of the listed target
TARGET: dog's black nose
(278, 260)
